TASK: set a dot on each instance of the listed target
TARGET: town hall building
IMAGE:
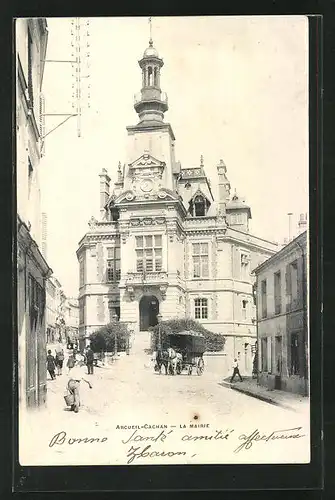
(163, 243)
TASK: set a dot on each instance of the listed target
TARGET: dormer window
(114, 214)
(199, 206)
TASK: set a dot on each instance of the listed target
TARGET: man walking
(51, 365)
(236, 371)
(89, 360)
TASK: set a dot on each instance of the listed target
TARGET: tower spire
(150, 26)
(224, 187)
(151, 103)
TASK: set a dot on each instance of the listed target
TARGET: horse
(162, 359)
(175, 360)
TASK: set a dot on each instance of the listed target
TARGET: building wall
(28, 118)
(162, 208)
(286, 331)
(33, 270)
(225, 288)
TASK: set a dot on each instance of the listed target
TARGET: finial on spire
(119, 172)
(201, 161)
(150, 40)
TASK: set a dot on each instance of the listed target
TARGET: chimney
(302, 224)
(104, 190)
(224, 186)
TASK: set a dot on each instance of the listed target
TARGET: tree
(214, 341)
(103, 339)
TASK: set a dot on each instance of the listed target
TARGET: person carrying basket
(72, 398)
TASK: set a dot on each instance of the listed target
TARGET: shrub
(214, 341)
(103, 339)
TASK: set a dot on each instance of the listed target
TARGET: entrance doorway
(149, 308)
(278, 354)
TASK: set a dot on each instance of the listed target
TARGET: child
(70, 363)
(51, 365)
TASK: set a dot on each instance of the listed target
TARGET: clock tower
(150, 149)
(151, 212)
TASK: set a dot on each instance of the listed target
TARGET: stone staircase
(141, 343)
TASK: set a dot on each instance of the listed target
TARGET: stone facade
(282, 318)
(62, 313)
(32, 268)
(163, 244)
(54, 300)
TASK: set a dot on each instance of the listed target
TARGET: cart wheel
(200, 366)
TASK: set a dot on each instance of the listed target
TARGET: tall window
(82, 271)
(36, 301)
(148, 253)
(245, 267)
(244, 309)
(292, 284)
(82, 305)
(201, 309)
(30, 68)
(200, 260)
(156, 76)
(264, 354)
(150, 76)
(277, 292)
(113, 271)
(30, 176)
(264, 299)
(294, 280)
(114, 310)
(294, 354)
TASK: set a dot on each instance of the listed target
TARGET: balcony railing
(153, 95)
(153, 277)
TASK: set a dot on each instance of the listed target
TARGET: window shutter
(269, 354)
(100, 262)
(288, 279)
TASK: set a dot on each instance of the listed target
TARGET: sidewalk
(249, 386)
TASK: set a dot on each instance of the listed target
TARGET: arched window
(114, 214)
(199, 206)
(150, 76)
(156, 76)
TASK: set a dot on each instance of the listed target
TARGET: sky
(237, 89)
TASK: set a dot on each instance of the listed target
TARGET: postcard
(162, 240)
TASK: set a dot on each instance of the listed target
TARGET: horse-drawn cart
(191, 345)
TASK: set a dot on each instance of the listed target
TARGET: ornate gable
(146, 166)
(125, 197)
(199, 193)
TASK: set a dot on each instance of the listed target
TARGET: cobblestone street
(129, 392)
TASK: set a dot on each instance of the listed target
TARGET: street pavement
(129, 392)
